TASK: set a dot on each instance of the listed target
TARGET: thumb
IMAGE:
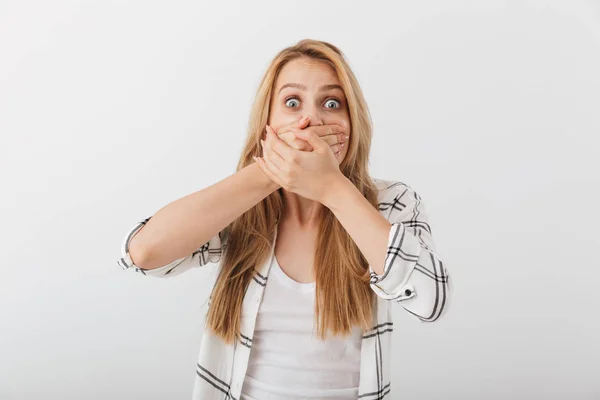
(313, 139)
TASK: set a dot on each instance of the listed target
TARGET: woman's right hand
(333, 134)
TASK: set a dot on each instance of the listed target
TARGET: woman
(312, 251)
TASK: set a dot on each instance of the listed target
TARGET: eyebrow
(302, 87)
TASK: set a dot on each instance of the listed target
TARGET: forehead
(309, 72)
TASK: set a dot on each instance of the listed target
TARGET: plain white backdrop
(111, 109)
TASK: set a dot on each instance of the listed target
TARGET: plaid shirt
(414, 276)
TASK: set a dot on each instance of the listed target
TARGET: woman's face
(307, 86)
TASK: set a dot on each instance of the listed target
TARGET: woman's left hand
(310, 174)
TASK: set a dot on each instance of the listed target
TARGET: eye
(290, 99)
(334, 100)
(289, 102)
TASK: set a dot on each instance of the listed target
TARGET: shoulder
(394, 190)
(399, 202)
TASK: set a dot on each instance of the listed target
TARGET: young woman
(311, 250)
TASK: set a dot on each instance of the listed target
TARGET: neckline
(293, 284)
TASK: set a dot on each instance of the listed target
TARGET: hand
(333, 134)
(307, 173)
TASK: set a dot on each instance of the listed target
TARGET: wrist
(266, 183)
(334, 193)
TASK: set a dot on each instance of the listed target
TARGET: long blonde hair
(343, 295)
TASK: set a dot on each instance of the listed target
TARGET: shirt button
(408, 292)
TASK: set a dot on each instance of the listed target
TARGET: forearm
(363, 222)
(180, 227)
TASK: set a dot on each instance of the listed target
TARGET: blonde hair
(343, 295)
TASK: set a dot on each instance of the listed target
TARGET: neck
(300, 211)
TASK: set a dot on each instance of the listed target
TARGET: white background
(111, 109)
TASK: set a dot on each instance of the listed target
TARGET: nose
(315, 119)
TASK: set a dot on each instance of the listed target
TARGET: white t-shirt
(287, 359)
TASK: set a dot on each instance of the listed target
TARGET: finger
(338, 155)
(303, 122)
(291, 140)
(271, 157)
(337, 148)
(313, 139)
(299, 144)
(296, 124)
(322, 130)
(267, 164)
(279, 147)
(265, 168)
(335, 141)
(337, 138)
(306, 146)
